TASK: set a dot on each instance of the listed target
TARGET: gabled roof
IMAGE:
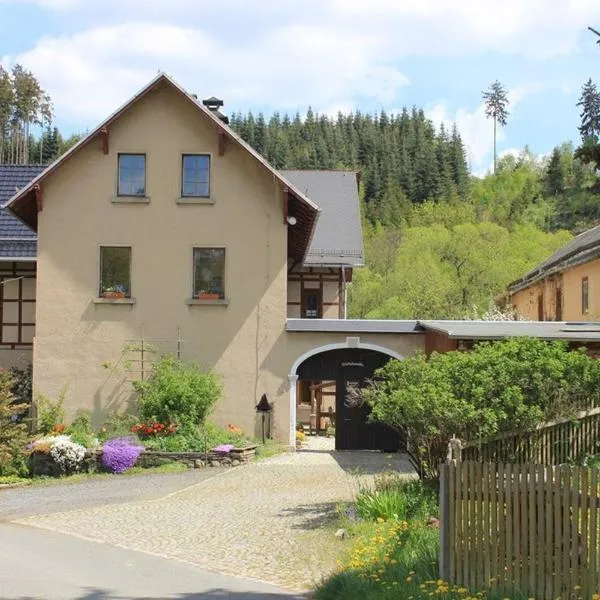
(23, 203)
(17, 241)
(581, 249)
(338, 237)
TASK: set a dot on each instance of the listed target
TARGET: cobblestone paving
(260, 521)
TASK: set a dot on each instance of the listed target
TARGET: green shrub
(117, 425)
(195, 439)
(50, 413)
(499, 386)
(13, 434)
(179, 392)
(81, 430)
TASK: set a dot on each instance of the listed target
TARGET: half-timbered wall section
(17, 304)
(316, 293)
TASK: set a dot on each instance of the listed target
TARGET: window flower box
(109, 294)
(208, 296)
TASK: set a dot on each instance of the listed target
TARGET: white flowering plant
(67, 455)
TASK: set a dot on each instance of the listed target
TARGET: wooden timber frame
(318, 391)
(309, 276)
(17, 272)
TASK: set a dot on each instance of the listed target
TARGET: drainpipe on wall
(345, 287)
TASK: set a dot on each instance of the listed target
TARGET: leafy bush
(117, 425)
(499, 386)
(178, 392)
(13, 434)
(67, 454)
(196, 439)
(50, 413)
(81, 430)
(120, 454)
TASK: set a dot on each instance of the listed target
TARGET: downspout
(345, 288)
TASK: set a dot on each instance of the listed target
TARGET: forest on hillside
(439, 242)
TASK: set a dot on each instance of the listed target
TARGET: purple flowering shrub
(120, 454)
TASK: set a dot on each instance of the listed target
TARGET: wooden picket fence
(527, 528)
(550, 444)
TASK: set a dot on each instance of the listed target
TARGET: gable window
(585, 296)
(195, 179)
(209, 273)
(115, 272)
(132, 175)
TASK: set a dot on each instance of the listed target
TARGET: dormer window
(195, 180)
(132, 175)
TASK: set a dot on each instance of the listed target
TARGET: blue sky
(92, 55)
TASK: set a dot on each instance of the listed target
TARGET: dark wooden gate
(352, 368)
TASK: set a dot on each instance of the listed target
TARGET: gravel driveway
(260, 521)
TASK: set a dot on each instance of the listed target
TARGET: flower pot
(113, 294)
(206, 296)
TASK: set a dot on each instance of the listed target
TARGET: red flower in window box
(208, 296)
(117, 291)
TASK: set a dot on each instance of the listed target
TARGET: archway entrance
(326, 394)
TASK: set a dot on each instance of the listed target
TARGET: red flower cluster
(154, 429)
(59, 428)
(233, 429)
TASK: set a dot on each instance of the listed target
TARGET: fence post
(445, 521)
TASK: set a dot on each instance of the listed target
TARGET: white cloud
(532, 27)
(90, 73)
(287, 54)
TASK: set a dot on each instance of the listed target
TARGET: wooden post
(179, 343)
(445, 474)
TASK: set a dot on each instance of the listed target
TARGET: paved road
(47, 499)
(43, 565)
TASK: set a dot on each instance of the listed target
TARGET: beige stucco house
(163, 232)
(163, 226)
(564, 286)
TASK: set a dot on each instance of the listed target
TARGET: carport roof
(497, 330)
(465, 330)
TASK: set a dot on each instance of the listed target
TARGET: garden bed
(43, 465)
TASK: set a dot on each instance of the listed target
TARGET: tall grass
(394, 553)
(395, 497)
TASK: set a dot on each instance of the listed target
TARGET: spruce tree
(554, 183)
(496, 108)
(590, 113)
